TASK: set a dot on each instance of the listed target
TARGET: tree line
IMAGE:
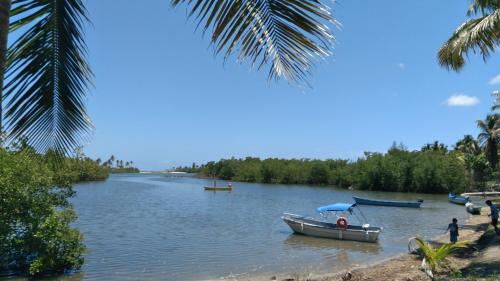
(434, 168)
(117, 166)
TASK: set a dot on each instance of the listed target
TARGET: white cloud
(401, 66)
(495, 80)
(462, 100)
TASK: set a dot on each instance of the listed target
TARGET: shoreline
(403, 266)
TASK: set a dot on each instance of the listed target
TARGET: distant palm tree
(481, 34)
(48, 75)
(489, 137)
(435, 146)
(496, 94)
(111, 160)
(473, 159)
(468, 145)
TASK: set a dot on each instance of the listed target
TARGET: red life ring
(342, 223)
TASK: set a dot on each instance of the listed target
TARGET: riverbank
(479, 261)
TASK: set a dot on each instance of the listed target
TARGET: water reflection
(300, 242)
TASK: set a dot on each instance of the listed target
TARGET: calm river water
(160, 227)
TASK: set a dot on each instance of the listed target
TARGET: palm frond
(476, 35)
(288, 35)
(47, 74)
(436, 256)
(483, 7)
(428, 251)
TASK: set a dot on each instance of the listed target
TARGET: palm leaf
(47, 74)
(287, 35)
(483, 7)
(436, 256)
(477, 35)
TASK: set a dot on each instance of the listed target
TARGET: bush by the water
(124, 170)
(426, 171)
(36, 236)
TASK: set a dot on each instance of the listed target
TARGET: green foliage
(124, 170)
(116, 166)
(480, 34)
(47, 74)
(35, 214)
(287, 35)
(435, 257)
(489, 137)
(428, 171)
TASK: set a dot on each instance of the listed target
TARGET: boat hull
(362, 201)
(457, 199)
(311, 227)
(472, 209)
(218, 188)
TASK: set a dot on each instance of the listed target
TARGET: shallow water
(159, 227)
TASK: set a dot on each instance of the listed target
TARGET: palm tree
(47, 74)
(434, 257)
(468, 145)
(111, 160)
(496, 94)
(489, 137)
(480, 34)
(473, 159)
(435, 146)
(5, 6)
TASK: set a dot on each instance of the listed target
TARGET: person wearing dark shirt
(453, 228)
(493, 214)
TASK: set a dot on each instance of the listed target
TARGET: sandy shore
(481, 260)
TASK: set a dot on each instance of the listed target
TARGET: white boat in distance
(322, 228)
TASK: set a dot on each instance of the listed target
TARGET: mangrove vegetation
(434, 168)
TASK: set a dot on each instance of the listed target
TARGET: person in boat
(453, 228)
(493, 214)
(230, 185)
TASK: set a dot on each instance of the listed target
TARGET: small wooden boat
(406, 204)
(457, 199)
(324, 229)
(218, 188)
(472, 209)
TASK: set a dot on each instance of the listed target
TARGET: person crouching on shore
(453, 228)
(493, 215)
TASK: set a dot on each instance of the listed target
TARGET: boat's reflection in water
(335, 254)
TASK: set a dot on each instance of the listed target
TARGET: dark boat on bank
(405, 204)
(457, 199)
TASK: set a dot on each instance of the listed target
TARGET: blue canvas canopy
(342, 207)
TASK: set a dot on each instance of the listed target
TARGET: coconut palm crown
(480, 34)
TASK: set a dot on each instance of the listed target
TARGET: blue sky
(161, 98)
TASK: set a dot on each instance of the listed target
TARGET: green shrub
(35, 215)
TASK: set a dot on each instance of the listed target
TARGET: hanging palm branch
(47, 74)
(288, 35)
(477, 35)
